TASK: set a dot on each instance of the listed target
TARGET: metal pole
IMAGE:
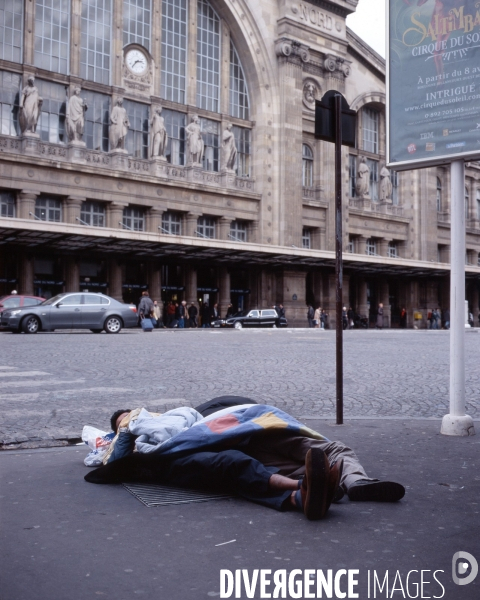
(338, 255)
(457, 422)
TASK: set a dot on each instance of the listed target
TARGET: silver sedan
(78, 310)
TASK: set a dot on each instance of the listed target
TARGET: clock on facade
(136, 61)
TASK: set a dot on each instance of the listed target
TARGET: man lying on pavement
(233, 444)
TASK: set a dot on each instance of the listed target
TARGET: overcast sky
(368, 22)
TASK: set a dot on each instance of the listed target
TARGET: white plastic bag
(98, 441)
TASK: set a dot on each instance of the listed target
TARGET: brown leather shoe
(334, 491)
(315, 488)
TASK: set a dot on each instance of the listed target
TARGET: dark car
(261, 317)
(76, 310)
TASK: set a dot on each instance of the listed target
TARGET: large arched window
(307, 166)
(208, 57)
(137, 18)
(52, 25)
(238, 87)
(174, 50)
(11, 30)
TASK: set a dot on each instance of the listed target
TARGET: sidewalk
(65, 539)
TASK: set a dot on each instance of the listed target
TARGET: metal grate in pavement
(160, 495)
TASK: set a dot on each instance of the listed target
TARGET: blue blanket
(227, 430)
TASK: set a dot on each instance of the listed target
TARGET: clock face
(136, 61)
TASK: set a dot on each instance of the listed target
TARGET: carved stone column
(115, 214)
(224, 228)
(71, 274)
(190, 284)
(361, 244)
(154, 281)
(26, 204)
(224, 287)
(253, 232)
(73, 205)
(191, 223)
(115, 280)
(383, 246)
(363, 307)
(154, 219)
(26, 274)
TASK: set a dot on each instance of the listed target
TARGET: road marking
(24, 374)
(1, 368)
(18, 384)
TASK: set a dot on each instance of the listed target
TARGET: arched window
(11, 31)
(307, 166)
(439, 195)
(52, 44)
(96, 41)
(174, 50)
(370, 121)
(208, 57)
(137, 17)
(238, 87)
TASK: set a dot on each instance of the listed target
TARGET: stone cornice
(342, 8)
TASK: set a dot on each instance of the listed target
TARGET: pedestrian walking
(310, 315)
(206, 318)
(435, 318)
(323, 319)
(379, 324)
(170, 313)
(350, 317)
(157, 314)
(316, 317)
(403, 319)
(145, 311)
(192, 315)
(344, 318)
(182, 314)
(446, 316)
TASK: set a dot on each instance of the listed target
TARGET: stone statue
(195, 144)
(75, 117)
(310, 92)
(159, 135)
(362, 186)
(30, 107)
(229, 149)
(386, 187)
(119, 125)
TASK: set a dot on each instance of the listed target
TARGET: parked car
(261, 317)
(19, 300)
(76, 310)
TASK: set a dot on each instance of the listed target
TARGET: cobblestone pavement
(54, 383)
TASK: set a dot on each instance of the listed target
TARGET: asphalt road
(52, 384)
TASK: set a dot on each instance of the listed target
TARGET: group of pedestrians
(176, 314)
(438, 318)
(317, 317)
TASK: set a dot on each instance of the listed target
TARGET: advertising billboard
(433, 82)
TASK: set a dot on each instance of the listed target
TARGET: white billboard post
(433, 118)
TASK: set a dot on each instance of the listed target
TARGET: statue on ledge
(229, 149)
(362, 186)
(195, 143)
(75, 117)
(159, 135)
(119, 125)
(30, 107)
